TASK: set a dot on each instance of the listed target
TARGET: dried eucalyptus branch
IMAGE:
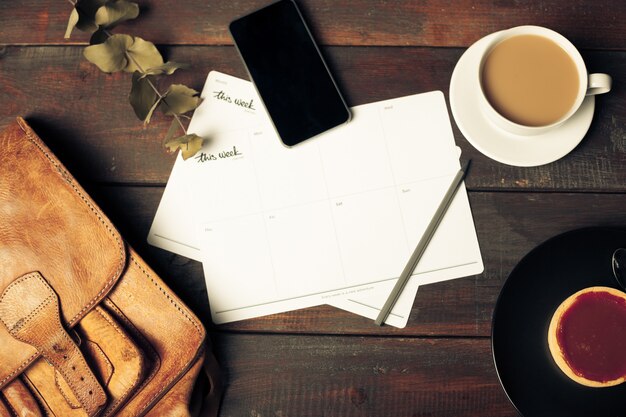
(119, 52)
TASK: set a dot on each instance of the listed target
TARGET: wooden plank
(361, 22)
(358, 376)
(509, 225)
(84, 116)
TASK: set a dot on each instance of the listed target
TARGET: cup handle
(598, 84)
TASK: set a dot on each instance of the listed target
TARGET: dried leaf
(167, 68)
(110, 56)
(179, 99)
(189, 145)
(151, 111)
(71, 23)
(142, 97)
(172, 130)
(98, 37)
(115, 12)
(143, 55)
(87, 14)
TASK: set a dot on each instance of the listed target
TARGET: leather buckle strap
(29, 308)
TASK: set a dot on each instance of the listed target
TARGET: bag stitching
(81, 363)
(171, 300)
(94, 210)
(68, 400)
(118, 271)
(36, 394)
(28, 318)
(147, 346)
(172, 382)
(41, 305)
(20, 368)
(181, 311)
(143, 342)
(124, 336)
(58, 364)
(29, 134)
(97, 350)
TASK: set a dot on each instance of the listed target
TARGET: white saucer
(497, 144)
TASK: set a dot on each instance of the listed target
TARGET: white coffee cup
(589, 84)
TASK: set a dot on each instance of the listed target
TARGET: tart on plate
(587, 337)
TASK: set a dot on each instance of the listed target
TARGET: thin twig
(162, 98)
(150, 83)
(129, 57)
(156, 90)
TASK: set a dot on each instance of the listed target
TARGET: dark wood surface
(323, 361)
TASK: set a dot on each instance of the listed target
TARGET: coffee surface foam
(530, 80)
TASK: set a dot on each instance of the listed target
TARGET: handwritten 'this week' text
(221, 95)
(206, 157)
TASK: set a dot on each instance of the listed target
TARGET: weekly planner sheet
(332, 220)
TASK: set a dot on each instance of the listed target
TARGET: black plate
(538, 284)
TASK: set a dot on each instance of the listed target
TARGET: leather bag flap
(49, 225)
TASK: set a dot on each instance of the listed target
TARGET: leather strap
(20, 400)
(29, 308)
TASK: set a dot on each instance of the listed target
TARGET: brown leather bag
(87, 327)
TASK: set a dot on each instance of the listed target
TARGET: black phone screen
(289, 72)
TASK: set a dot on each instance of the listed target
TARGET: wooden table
(322, 361)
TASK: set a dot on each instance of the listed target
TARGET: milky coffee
(530, 80)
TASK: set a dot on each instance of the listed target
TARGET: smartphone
(289, 72)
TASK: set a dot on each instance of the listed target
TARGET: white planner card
(229, 103)
(332, 220)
